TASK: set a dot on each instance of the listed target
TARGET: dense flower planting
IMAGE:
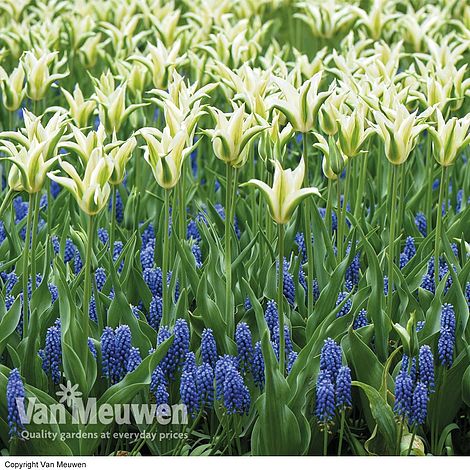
(255, 211)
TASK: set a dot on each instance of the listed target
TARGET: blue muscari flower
(55, 244)
(190, 363)
(419, 404)
(54, 291)
(300, 242)
(236, 394)
(15, 394)
(92, 347)
(2, 232)
(92, 311)
(121, 351)
(325, 398)
(467, 293)
(179, 348)
(244, 347)
(30, 284)
(334, 218)
(330, 358)
(343, 388)
(448, 317)
(55, 189)
(158, 386)
(216, 185)
(117, 250)
(153, 279)
(221, 211)
(107, 351)
(247, 304)
(52, 353)
(352, 271)
(290, 360)
(196, 250)
(192, 231)
(403, 260)
(445, 346)
(403, 394)
(69, 251)
(133, 360)
(435, 184)
(224, 363)
(361, 320)
(420, 326)
(155, 312)
(194, 162)
(385, 285)
(188, 391)
(147, 257)
(12, 280)
(103, 236)
(100, 278)
(345, 309)
(43, 202)
(409, 250)
(21, 208)
(426, 367)
(78, 264)
(271, 316)
(288, 284)
(119, 214)
(208, 347)
(421, 223)
(289, 347)
(9, 301)
(148, 234)
(205, 385)
(257, 366)
(427, 283)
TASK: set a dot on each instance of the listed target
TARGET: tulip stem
(329, 203)
(429, 159)
(34, 240)
(308, 234)
(391, 242)
(280, 303)
(360, 192)
(87, 285)
(26, 266)
(166, 228)
(439, 225)
(401, 198)
(112, 229)
(228, 249)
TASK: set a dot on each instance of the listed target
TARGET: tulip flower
(351, 131)
(38, 76)
(112, 103)
(120, 152)
(84, 144)
(399, 129)
(231, 136)
(273, 141)
(165, 154)
(92, 191)
(13, 89)
(449, 138)
(79, 109)
(286, 193)
(301, 106)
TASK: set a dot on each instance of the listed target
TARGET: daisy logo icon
(69, 393)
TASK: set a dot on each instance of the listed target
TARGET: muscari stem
(341, 431)
(412, 440)
(165, 257)
(280, 293)
(26, 266)
(87, 286)
(391, 243)
(308, 234)
(439, 226)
